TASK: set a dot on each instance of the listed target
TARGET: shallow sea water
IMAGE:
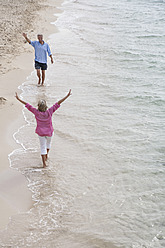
(104, 183)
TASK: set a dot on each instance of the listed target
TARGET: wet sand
(16, 63)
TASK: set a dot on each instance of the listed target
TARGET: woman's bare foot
(44, 160)
(47, 154)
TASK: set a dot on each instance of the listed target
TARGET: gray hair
(42, 107)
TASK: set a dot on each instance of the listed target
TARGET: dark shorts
(42, 66)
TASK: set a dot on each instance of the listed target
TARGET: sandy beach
(16, 63)
(63, 194)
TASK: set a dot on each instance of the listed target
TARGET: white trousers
(45, 143)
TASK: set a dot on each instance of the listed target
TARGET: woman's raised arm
(63, 99)
(17, 97)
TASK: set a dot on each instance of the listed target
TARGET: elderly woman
(44, 127)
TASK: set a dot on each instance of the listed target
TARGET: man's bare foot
(39, 80)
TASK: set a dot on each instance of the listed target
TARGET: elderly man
(41, 50)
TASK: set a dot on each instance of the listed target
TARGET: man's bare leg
(39, 76)
(47, 154)
(44, 160)
(43, 76)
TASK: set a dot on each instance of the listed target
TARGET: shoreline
(15, 196)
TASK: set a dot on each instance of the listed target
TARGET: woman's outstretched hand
(17, 97)
(69, 93)
(63, 99)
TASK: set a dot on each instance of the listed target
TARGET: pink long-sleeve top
(44, 119)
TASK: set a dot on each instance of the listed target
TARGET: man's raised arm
(26, 38)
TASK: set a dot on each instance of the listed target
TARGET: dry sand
(16, 63)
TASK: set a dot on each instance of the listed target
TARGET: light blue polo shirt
(41, 51)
